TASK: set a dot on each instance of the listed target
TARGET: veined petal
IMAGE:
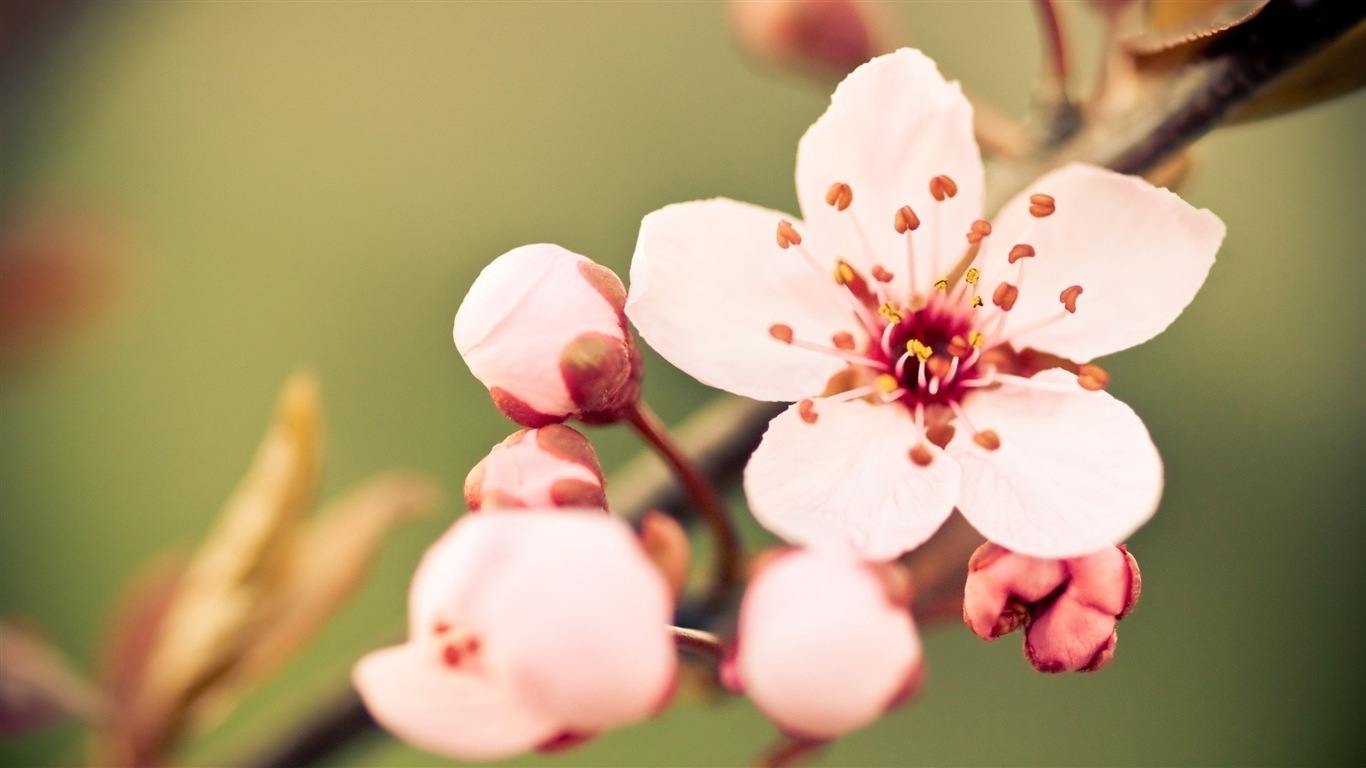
(708, 281)
(1139, 252)
(578, 620)
(847, 481)
(459, 714)
(1075, 470)
(892, 125)
(822, 648)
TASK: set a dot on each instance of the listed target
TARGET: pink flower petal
(847, 481)
(1075, 471)
(521, 314)
(995, 575)
(1070, 637)
(1139, 253)
(578, 618)
(453, 713)
(1105, 580)
(708, 281)
(892, 125)
(822, 649)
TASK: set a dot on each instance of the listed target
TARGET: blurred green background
(317, 184)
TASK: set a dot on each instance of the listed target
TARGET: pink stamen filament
(848, 357)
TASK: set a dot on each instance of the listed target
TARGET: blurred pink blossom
(1068, 608)
(553, 466)
(527, 630)
(915, 393)
(828, 36)
(823, 646)
(543, 329)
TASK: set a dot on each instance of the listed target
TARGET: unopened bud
(822, 36)
(1068, 608)
(666, 544)
(553, 466)
(544, 329)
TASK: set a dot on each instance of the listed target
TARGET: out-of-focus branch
(1167, 116)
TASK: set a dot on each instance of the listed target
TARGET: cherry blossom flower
(825, 643)
(1069, 608)
(529, 629)
(553, 466)
(932, 354)
(543, 329)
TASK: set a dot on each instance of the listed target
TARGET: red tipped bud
(553, 466)
(821, 36)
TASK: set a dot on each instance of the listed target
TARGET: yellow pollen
(920, 349)
(976, 302)
(941, 285)
(976, 339)
(886, 383)
(844, 274)
(890, 312)
(972, 276)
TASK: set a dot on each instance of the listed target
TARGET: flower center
(931, 348)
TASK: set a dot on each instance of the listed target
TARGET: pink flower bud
(1069, 608)
(822, 647)
(544, 330)
(553, 466)
(666, 544)
(830, 36)
(528, 630)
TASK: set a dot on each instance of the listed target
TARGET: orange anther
(940, 434)
(843, 340)
(807, 410)
(839, 195)
(787, 235)
(1092, 377)
(1042, 205)
(942, 188)
(1021, 251)
(906, 220)
(781, 332)
(1005, 296)
(921, 456)
(1068, 297)
(938, 366)
(987, 439)
(979, 230)
(958, 346)
(881, 275)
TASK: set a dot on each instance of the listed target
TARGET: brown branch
(1166, 118)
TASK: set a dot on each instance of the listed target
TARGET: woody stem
(729, 552)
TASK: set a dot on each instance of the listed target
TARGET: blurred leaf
(234, 587)
(337, 551)
(37, 686)
(1177, 30)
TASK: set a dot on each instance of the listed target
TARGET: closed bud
(553, 466)
(544, 329)
(825, 643)
(1068, 608)
(824, 36)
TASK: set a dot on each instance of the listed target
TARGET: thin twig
(730, 555)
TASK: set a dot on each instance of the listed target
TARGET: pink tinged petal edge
(578, 619)
(1139, 252)
(1075, 472)
(822, 649)
(892, 125)
(999, 585)
(553, 466)
(1070, 636)
(519, 316)
(448, 712)
(846, 482)
(708, 280)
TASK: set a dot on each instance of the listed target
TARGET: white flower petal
(892, 125)
(1139, 252)
(847, 480)
(459, 714)
(1075, 472)
(708, 280)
